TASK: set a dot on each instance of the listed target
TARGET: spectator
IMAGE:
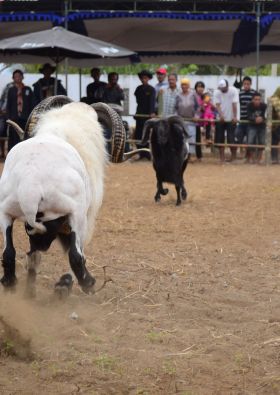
(225, 100)
(95, 90)
(199, 89)
(186, 106)
(20, 103)
(208, 112)
(162, 83)
(256, 128)
(275, 134)
(47, 86)
(167, 97)
(145, 98)
(245, 97)
(3, 117)
(113, 94)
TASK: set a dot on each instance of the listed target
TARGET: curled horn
(146, 133)
(43, 106)
(111, 119)
(17, 128)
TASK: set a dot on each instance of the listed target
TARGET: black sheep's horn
(146, 133)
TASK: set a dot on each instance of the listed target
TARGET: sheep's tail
(29, 199)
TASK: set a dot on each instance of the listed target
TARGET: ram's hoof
(88, 285)
(63, 287)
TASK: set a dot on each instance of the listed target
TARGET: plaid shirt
(167, 101)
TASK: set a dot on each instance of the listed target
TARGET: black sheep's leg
(160, 191)
(9, 254)
(178, 190)
(157, 195)
(184, 191)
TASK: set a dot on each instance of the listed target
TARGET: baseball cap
(161, 70)
(222, 84)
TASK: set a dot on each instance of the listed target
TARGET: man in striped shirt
(245, 97)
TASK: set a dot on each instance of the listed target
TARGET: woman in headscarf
(185, 107)
(145, 97)
(275, 134)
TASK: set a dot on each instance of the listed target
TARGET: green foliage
(182, 69)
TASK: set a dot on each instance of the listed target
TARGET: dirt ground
(194, 305)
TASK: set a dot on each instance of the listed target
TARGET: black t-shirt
(145, 97)
(95, 91)
(254, 112)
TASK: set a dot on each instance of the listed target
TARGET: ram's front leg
(9, 254)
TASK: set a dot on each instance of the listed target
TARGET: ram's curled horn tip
(17, 128)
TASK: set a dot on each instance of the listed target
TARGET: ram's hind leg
(9, 253)
(77, 236)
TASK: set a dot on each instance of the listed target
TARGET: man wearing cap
(145, 98)
(162, 83)
(226, 99)
(95, 90)
(45, 86)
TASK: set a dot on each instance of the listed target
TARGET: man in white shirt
(225, 100)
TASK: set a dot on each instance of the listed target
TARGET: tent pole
(66, 59)
(258, 15)
(80, 83)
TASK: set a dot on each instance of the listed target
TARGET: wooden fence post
(268, 133)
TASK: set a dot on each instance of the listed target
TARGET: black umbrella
(57, 44)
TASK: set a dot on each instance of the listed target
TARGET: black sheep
(170, 153)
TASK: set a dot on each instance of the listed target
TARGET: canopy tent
(169, 37)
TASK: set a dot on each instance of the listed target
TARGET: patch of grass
(7, 348)
(155, 337)
(169, 368)
(105, 362)
(141, 391)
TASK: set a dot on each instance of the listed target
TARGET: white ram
(53, 182)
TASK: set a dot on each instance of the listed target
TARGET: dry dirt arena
(194, 303)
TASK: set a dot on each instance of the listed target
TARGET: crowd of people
(18, 100)
(213, 116)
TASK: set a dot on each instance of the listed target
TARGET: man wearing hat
(162, 83)
(226, 99)
(45, 86)
(145, 98)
